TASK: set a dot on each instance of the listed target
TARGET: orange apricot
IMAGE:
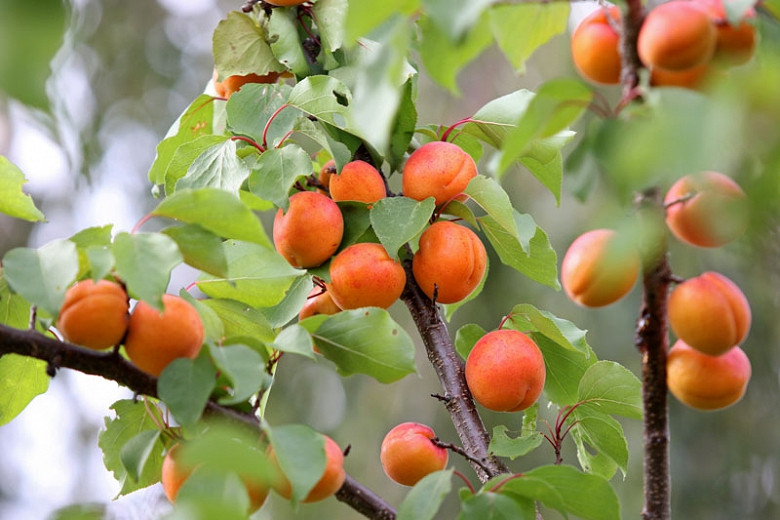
(364, 275)
(154, 339)
(599, 268)
(505, 371)
(707, 209)
(707, 382)
(319, 301)
(691, 78)
(451, 259)
(710, 313)
(359, 181)
(407, 453)
(94, 315)
(233, 84)
(310, 231)
(331, 480)
(736, 43)
(595, 46)
(437, 169)
(676, 35)
(327, 170)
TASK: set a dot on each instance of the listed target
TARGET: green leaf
(185, 155)
(80, 512)
(367, 341)
(241, 321)
(185, 385)
(216, 167)
(491, 197)
(397, 220)
(494, 506)
(455, 17)
(200, 248)
(331, 17)
(285, 43)
(425, 498)
(466, 337)
(323, 97)
(276, 171)
(404, 126)
(244, 367)
(363, 17)
(93, 245)
(281, 313)
(211, 495)
(301, 454)
(543, 158)
(21, 379)
(295, 339)
(101, 261)
(611, 388)
(14, 309)
(357, 220)
(502, 445)
(493, 122)
(42, 276)
(605, 435)
(136, 452)
(240, 47)
(216, 210)
(249, 110)
(526, 317)
(565, 369)
(13, 201)
(144, 261)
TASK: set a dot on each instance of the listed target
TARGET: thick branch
(632, 21)
(364, 501)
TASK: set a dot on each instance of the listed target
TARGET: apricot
(311, 230)
(364, 275)
(452, 259)
(707, 382)
(174, 474)
(710, 313)
(505, 371)
(707, 209)
(332, 478)
(233, 84)
(595, 46)
(599, 268)
(691, 78)
(327, 170)
(735, 44)
(94, 315)
(676, 35)
(359, 181)
(155, 338)
(408, 454)
(319, 301)
(437, 169)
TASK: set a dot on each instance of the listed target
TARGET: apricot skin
(407, 453)
(94, 315)
(595, 47)
(707, 382)
(364, 275)
(714, 215)
(326, 172)
(598, 268)
(318, 302)
(330, 482)
(437, 169)
(505, 371)
(452, 258)
(692, 78)
(676, 35)
(736, 44)
(155, 339)
(310, 231)
(358, 181)
(233, 84)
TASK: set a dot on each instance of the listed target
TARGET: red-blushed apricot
(736, 44)
(692, 78)
(327, 170)
(709, 313)
(331, 480)
(233, 84)
(707, 382)
(407, 453)
(155, 338)
(595, 46)
(364, 275)
(359, 181)
(452, 258)
(175, 473)
(599, 268)
(310, 231)
(707, 209)
(437, 169)
(676, 35)
(318, 302)
(505, 371)
(94, 315)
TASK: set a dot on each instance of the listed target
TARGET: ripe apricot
(437, 169)
(332, 478)
(94, 315)
(359, 181)
(452, 259)
(691, 78)
(676, 35)
(707, 209)
(364, 275)
(233, 84)
(155, 338)
(709, 313)
(707, 382)
(311, 230)
(408, 455)
(505, 371)
(599, 268)
(595, 46)
(327, 170)
(318, 302)
(736, 44)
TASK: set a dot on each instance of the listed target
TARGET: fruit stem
(254, 143)
(268, 124)
(464, 479)
(452, 127)
(140, 223)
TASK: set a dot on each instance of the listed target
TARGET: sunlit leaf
(22, 378)
(240, 47)
(522, 28)
(425, 498)
(185, 385)
(397, 220)
(136, 452)
(13, 201)
(276, 171)
(144, 261)
(216, 167)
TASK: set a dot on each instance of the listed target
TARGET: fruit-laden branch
(450, 369)
(114, 367)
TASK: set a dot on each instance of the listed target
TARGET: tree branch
(632, 21)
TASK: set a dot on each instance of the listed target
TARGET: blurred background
(85, 138)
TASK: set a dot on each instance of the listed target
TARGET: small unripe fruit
(94, 315)
(505, 371)
(707, 209)
(707, 382)
(599, 268)
(330, 481)
(595, 46)
(452, 259)
(358, 181)
(408, 455)
(437, 169)
(311, 230)
(676, 35)
(154, 339)
(364, 275)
